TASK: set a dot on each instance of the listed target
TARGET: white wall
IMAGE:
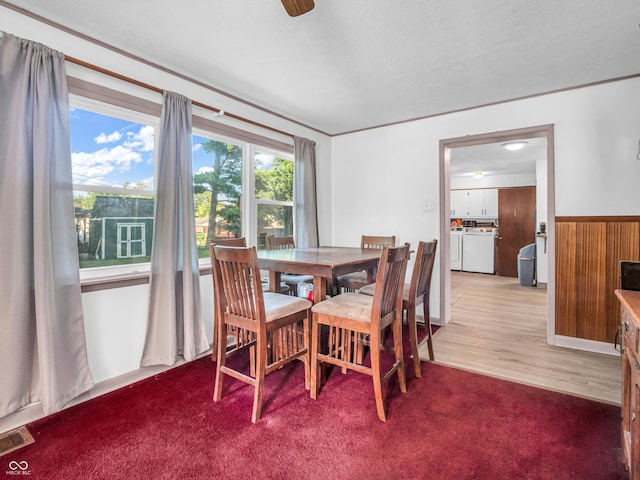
(382, 177)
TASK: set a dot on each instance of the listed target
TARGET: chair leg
(307, 356)
(427, 325)
(397, 347)
(214, 346)
(413, 334)
(374, 355)
(261, 359)
(221, 353)
(315, 342)
(252, 360)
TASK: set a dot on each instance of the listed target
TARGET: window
(240, 190)
(273, 196)
(112, 153)
(217, 187)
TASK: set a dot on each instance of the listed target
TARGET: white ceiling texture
(355, 64)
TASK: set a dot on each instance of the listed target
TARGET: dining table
(323, 263)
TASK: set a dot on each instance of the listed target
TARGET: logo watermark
(18, 468)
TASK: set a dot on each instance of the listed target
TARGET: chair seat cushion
(277, 305)
(347, 305)
(369, 290)
(295, 279)
(355, 277)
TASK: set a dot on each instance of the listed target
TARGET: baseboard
(32, 412)
(586, 345)
(434, 320)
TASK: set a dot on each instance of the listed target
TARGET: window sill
(114, 281)
(120, 281)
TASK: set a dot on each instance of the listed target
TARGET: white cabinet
(477, 203)
(459, 203)
(491, 203)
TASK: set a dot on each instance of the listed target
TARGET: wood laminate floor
(498, 328)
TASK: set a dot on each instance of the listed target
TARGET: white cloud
(141, 141)
(104, 138)
(205, 170)
(196, 147)
(267, 160)
(94, 167)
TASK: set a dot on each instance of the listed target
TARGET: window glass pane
(217, 184)
(274, 177)
(104, 224)
(110, 158)
(275, 221)
(109, 151)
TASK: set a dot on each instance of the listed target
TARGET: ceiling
(492, 159)
(354, 64)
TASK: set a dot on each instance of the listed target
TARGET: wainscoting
(588, 255)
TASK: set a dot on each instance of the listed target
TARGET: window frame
(255, 148)
(81, 102)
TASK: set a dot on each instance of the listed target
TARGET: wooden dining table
(323, 263)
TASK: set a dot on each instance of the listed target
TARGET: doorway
(446, 149)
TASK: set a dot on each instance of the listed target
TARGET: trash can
(526, 265)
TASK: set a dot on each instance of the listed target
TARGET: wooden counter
(629, 322)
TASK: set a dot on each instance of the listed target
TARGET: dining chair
(274, 327)
(349, 316)
(283, 243)
(415, 293)
(352, 282)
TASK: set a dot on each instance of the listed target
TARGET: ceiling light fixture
(514, 145)
(478, 174)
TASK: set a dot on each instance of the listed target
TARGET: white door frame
(446, 145)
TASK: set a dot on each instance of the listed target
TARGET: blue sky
(110, 151)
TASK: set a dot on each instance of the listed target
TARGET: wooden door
(516, 223)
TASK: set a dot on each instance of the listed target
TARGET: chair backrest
(237, 275)
(370, 241)
(387, 297)
(227, 242)
(280, 243)
(423, 268)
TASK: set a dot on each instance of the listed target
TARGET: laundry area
(497, 229)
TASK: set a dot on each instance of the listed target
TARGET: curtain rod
(159, 90)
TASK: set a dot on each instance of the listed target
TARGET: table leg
(371, 275)
(319, 289)
(274, 281)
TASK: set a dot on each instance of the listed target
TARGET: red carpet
(450, 425)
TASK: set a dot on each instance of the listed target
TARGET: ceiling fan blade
(297, 7)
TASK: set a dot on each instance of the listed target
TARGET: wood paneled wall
(588, 255)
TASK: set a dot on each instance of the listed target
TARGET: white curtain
(174, 326)
(305, 192)
(42, 342)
